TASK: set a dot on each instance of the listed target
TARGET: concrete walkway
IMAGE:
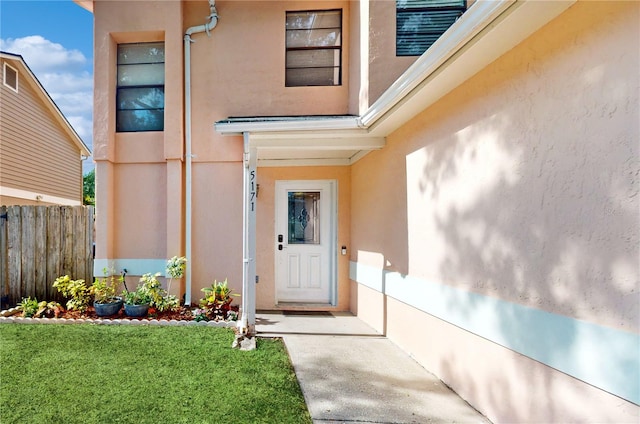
(349, 373)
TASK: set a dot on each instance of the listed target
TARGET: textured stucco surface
(522, 185)
(236, 71)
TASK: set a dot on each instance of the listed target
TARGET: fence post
(4, 266)
(14, 253)
(40, 252)
(54, 262)
(88, 248)
(68, 261)
(79, 235)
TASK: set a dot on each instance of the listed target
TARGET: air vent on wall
(10, 77)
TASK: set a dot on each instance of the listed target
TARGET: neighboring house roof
(24, 69)
(485, 32)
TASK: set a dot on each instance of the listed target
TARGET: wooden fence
(39, 244)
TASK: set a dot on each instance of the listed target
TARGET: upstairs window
(10, 78)
(140, 91)
(314, 48)
(419, 23)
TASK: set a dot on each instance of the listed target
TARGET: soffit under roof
(485, 32)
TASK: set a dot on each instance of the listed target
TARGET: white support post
(247, 323)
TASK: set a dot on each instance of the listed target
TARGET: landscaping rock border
(7, 317)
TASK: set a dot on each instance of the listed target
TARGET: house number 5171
(252, 191)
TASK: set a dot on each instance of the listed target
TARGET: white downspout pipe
(212, 21)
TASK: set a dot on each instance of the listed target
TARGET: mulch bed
(183, 313)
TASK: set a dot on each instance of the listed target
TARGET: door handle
(280, 247)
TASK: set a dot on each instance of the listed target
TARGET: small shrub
(104, 289)
(168, 302)
(175, 269)
(76, 290)
(176, 266)
(217, 300)
(200, 315)
(160, 299)
(137, 297)
(28, 306)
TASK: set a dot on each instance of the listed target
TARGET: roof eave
(485, 32)
(53, 107)
(85, 4)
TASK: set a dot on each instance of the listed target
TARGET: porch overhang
(304, 140)
(486, 31)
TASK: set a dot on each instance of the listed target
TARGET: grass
(141, 374)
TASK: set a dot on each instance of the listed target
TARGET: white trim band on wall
(37, 197)
(604, 357)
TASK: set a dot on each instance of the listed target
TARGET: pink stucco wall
(520, 185)
(237, 71)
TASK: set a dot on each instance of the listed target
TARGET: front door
(305, 241)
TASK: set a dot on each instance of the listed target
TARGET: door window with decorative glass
(304, 226)
(140, 91)
(419, 23)
(314, 48)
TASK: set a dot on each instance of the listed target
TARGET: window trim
(4, 77)
(422, 9)
(321, 48)
(148, 86)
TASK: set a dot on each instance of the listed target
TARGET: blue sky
(55, 38)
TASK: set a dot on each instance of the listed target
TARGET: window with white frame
(419, 23)
(314, 48)
(140, 90)
(10, 77)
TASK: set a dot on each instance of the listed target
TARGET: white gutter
(212, 21)
(308, 125)
(484, 19)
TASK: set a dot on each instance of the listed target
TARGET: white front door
(305, 241)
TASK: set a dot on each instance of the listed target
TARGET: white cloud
(66, 82)
(64, 74)
(43, 55)
(82, 126)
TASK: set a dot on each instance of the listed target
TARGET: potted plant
(160, 298)
(149, 293)
(104, 291)
(136, 303)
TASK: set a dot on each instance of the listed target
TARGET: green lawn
(124, 374)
